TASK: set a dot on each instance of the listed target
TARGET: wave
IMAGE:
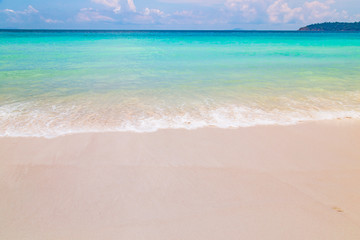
(34, 119)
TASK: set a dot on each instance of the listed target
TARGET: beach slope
(269, 182)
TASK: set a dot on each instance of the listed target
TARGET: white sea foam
(46, 120)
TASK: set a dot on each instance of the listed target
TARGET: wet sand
(270, 182)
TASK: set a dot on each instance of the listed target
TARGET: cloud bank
(170, 13)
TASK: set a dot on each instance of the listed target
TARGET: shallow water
(59, 82)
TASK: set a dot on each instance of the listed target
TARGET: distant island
(332, 27)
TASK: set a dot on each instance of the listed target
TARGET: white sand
(296, 182)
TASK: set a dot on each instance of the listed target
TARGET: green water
(59, 82)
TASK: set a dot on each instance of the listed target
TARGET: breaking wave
(36, 119)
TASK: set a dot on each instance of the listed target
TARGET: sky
(174, 14)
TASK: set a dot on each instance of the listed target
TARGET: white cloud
(51, 21)
(131, 5)
(28, 11)
(29, 14)
(246, 10)
(148, 16)
(156, 12)
(281, 12)
(239, 4)
(9, 11)
(184, 13)
(202, 2)
(20, 16)
(196, 12)
(114, 4)
(319, 10)
(91, 15)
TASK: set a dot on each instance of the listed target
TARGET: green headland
(332, 27)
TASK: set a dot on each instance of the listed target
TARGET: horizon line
(179, 30)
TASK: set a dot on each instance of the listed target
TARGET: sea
(54, 83)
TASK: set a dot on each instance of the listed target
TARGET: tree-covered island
(332, 27)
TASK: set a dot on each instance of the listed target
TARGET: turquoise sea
(60, 82)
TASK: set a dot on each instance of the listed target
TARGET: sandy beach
(266, 182)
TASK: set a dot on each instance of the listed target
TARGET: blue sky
(174, 14)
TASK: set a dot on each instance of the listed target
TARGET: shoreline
(345, 120)
(262, 182)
